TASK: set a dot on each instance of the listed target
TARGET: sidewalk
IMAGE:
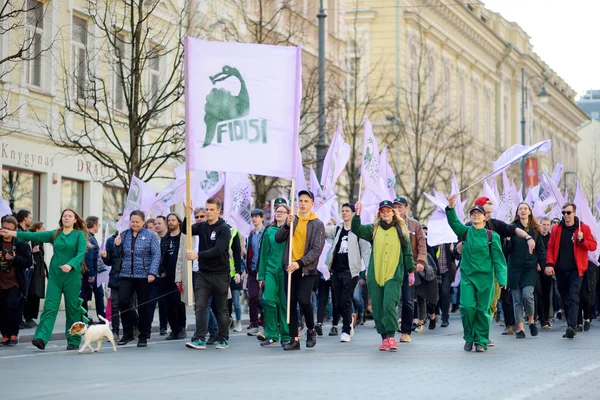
(58, 333)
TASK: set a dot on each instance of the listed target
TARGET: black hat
(350, 206)
(258, 211)
(476, 208)
(401, 200)
(386, 203)
(308, 193)
(279, 201)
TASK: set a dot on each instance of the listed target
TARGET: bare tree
(589, 177)
(123, 82)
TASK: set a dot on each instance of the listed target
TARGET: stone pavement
(433, 366)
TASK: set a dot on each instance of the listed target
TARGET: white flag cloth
(140, 197)
(242, 100)
(334, 163)
(517, 152)
(4, 208)
(557, 173)
(323, 210)
(171, 195)
(438, 229)
(105, 237)
(370, 166)
(598, 204)
(322, 264)
(460, 205)
(315, 188)
(554, 195)
(238, 201)
(204, 184)
(388, 179)
(587, 217)
(490, 193)
(507, 205)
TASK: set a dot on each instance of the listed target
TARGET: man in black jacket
(308, 240)
(169, 246)
(212, 278)
(15, 258)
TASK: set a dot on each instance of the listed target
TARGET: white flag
(105, 237)
(334, 163)
(204, 184)
(171, 195)
(314, 185)
(439, 231)
(388, 179)
(370, 166)
(584, 213)
(238, 202)
(460, 205)
(557, 173)
(242, 100)
(140, 197)
(516, 153)
(4, 208)
(506, 206)
(490, 193)
(554, 194)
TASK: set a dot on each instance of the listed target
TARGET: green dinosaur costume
(68, 250)
(385, 275)
(477, 273)
(274, 297)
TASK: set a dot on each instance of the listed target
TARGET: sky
(562, 33)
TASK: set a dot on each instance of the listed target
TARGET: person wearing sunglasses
(567, 258)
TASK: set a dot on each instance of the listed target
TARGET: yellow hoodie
(299, 239)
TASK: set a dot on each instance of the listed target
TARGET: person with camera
(14, 260)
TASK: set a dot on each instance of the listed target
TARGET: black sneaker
(570, 333)
(587, 325)
(293, 345)
(333, 331)
(39, 343)
(182, 334)
(533, 330)
(163, 331)
(445, 324)
(319, 329)
(468, 346)
(311, 338)
(172, 336)
(212, 339)
(142, 341)
(125, 339)
(268, 342)
(72, 347)
(432, 323)
(520, 335)
(284, 343)
(579, 328)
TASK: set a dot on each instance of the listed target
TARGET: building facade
(590, 103)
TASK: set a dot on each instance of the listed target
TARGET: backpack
(489, 235)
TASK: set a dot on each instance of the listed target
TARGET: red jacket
(579, 249)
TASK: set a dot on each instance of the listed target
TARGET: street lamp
(544, 98)
(395, 121)
(321, 145)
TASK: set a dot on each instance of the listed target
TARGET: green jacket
(405, 262)
(271, 253)
(476, 261)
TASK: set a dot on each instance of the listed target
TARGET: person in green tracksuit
(64, 275)
(481, 261)
(271, 280)
(391, 254)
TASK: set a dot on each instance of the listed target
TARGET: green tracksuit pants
(384, 301)
(475, 300)
(274, 306)
(60, 283)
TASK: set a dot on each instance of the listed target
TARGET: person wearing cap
(482, 260)
(345, 265)
(307, 245)
(418, 244)
(252, 253)
(271, 280)
(391, 260)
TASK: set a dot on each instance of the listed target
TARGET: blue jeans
(357, 299)
(237, 305)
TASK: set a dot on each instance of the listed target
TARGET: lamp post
(544, 97)
(321, 145)
(395, 121)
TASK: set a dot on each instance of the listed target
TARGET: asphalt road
(433, 366)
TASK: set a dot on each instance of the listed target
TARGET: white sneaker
(237, 326)
(345, 338)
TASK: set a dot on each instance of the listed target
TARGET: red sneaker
(14, 340)
(5, 340)
(393, 344)
(385, 345)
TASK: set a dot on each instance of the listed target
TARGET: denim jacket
(145, 258)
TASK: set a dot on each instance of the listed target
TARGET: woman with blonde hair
(64, 274)
(523, 268)
(391, 254)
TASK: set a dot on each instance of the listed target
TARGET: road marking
(536, 391)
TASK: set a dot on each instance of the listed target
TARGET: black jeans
(507, 307)
(114, 311)
(10, 311)
(175, 307)
(342, 287)
(155, 297)
(445, 298)
(408, 307)
(569, 286)
(32, 307)
(215, 285)
(301, 293)
(543, 296)
(323, 299)
(587, 295)
(141, 287)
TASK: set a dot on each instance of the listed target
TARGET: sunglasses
(386, 211)
(567, 212)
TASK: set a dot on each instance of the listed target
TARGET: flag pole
(289, 283)
(188, 238)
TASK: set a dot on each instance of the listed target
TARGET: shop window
(113, 203)
(21, 189)
(72, 195)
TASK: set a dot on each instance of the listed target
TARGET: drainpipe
(498, 65)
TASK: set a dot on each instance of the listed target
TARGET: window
(153, 75)
(353, 67)
(506, 134)
(461, 100)
(475, 125)
(21, 189)
(34, 30)
(118, 76)
(489, 137)
(71, 195)
(79, 58)
(447, 93)
(113, 203)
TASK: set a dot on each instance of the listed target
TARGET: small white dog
(93, 333)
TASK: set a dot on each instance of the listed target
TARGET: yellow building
(468, 59)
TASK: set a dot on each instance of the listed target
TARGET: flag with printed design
(585, 215)
(335, 161)
(238, 202)
(171, 195)
(507, 204)
(140, 197)
(370, 166)
(242, 99)
(204, 184)
(388, 179)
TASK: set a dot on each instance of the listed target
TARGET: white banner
(140, 197)
(238, 202)
(388, 179)
(335, 162)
